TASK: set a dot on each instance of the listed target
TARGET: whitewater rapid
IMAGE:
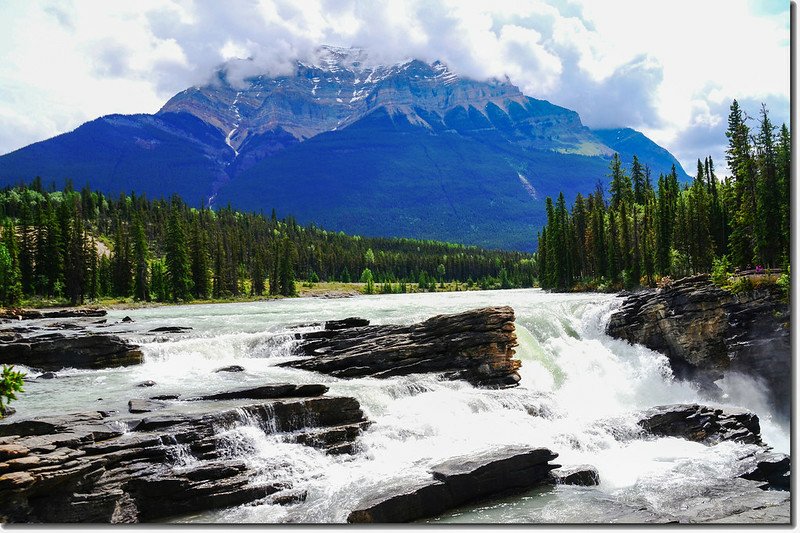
(579, 396)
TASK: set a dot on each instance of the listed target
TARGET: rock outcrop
(476, 346)
(88, 467)
(707, 332)
(79, 349)
(456, 482)
(584, 475)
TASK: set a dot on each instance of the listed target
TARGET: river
(579, 394)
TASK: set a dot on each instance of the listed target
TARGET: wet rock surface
(701, 423)
(32, 314)
(476, 346)
(583, 475)
(93, 467)
(456, 482)
(52, 351)
(707, 332)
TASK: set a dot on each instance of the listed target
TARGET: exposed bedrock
(710, 426)
(476, 346)
(456, 482)
(707, 332)
(87, 468)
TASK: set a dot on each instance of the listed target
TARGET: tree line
(645, 231)
(83, 245)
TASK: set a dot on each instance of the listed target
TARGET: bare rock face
(456, 482)
(476, 346)
(84, 468)
(707, 332)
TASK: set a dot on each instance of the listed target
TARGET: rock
(166, 397)
(232, 368)
(702, 423)
(279, 390)
(289, 497)
(8, 412)
(351, 322)
(476, 346)
(54, 351)
(47, 375)
(148, 383)
(707, 332)
(144, 406)
(456, 482)
(170, 329)
(772, 468)
(33, 314)
(76, 468)
(584, 475)
(126, 319)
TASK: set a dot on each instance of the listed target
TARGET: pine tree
(141, 281)
(179, 277)
(621, 189)
(768, 234)
(199, 262)
(286, 273)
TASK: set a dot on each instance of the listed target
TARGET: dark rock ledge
(476, 346)
(84, 468)
(75, 349)
(456, 482)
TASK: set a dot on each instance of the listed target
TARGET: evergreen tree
(179, 277)
(287, 286)
(141, 281)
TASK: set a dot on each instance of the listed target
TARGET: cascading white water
(579, 395)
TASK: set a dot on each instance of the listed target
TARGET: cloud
(631, 63)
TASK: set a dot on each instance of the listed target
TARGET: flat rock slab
(456, 482)
(476, 346)
(79, 349)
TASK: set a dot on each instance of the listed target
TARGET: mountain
(410, 149)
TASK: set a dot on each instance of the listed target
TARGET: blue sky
(669, 69)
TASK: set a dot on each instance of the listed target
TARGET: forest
(645, 231)
(77, 246)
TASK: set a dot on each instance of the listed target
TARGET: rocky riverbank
(707, 333)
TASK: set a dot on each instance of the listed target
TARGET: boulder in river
(701, 423)
(456, 482)
(707, 333)
(231, 368)
(476, 346)
(584, 475)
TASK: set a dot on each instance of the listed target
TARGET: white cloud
(669, 69)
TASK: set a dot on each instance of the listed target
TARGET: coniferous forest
(78, 246)
(648, 228)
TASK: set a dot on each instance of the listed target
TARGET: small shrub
(740, 285)
(721, 271)
(10, 384)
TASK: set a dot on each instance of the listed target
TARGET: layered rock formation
(75, 349)
(707, 332)
(476, 346)
(89, 467)
(456, 482)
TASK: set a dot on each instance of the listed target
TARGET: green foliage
(368, 280)
(740, 285)
(11, 382)
(721, 271)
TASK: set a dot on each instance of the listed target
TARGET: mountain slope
(409, 149)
